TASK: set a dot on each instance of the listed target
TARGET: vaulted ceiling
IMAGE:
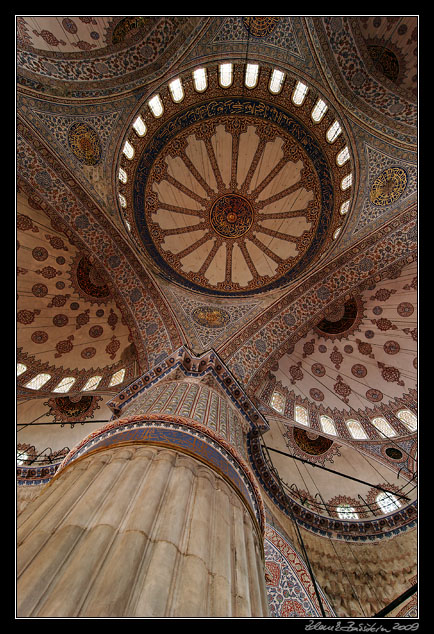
(230, 226)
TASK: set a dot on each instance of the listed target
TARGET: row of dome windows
(386, 501)
(354, 426)
(67, 382)
(200, 80)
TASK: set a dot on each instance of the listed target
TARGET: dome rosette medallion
(233, 196)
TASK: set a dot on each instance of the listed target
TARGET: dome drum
(199, 157)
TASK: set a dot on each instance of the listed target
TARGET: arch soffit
(138, 297)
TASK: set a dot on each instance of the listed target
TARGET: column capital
(183, 363)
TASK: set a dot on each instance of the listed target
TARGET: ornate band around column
(184, 435)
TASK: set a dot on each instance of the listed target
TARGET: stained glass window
(65, 384)
(408, 418)
(328, 425)
(356, 430)
(299, 94)
(38, 381)
(117, 377)
(387, 502)
(319, 110)
(276, 81)
(347, 512)
(278, 402)
(92, 383)
(200, 79)
(301, 415)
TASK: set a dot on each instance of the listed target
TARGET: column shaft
(140, 531)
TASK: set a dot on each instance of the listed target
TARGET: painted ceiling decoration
(229, 226)
(241, 200)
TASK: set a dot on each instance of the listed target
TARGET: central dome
(234, 197)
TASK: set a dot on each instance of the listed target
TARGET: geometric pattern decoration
(290, 590)
(390, 180)
(234, 203)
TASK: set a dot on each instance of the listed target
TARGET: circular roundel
(210, 317)
(234, 197)
(231, 216)
(394, 453)
(84, 143)
(388, 186)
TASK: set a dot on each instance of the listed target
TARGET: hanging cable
(62, 423)
(299, 536)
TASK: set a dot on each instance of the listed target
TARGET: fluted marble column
(140, 530)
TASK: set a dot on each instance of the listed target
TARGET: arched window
(328, 425)
(299, 94)
(387, 502)
(128, 150)
(301, 415)
(122, 175)
(22, 457)
(38, 381)
(117, 377)
(345, 207)
(408, 418)
(347, 512)
(200, 79)
(225, 75)
(319, 110)
(356, 430)
(343, 156)
(383, 427)
(252, 74)
(176, 90)
(278, 402)
(276, 81)
(92, 383)
(139, 126)
(333, 132)
(346, 182)
(65, 384)
(156, 106)
(21, 368)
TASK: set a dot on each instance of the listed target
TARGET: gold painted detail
(210, 317)
(260, 26)
(388, 186)
(231, 216)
